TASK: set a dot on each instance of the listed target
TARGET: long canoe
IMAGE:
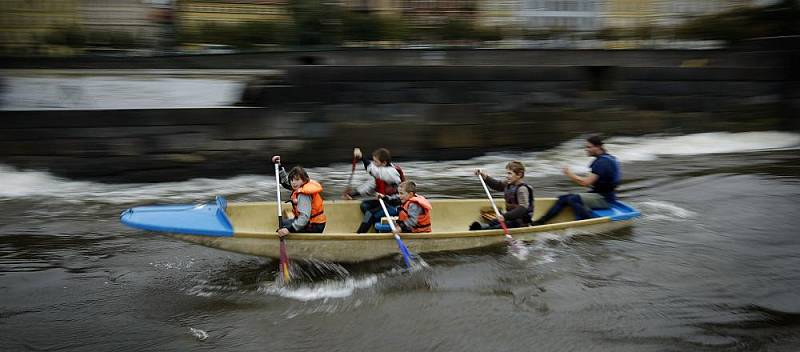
(249, 228)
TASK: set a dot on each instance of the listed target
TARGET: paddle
(284, 259)
(515, 246)
(400, 244)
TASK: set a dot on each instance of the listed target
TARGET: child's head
(406, 190)
(298, 177)
(514, 171)
(381, 156)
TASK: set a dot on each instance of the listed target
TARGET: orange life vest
(313, 189)
(423, 219)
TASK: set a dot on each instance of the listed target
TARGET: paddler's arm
(365, 188)
(276, 159)
(496, 185)
(304, 213)
(285, 179)
(358, 156)
(585, 181)
(386, 173)
(389, 199)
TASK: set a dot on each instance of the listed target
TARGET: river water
(712, 265)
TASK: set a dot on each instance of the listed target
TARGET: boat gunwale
(427, 235)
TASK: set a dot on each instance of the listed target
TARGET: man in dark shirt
(603, 180)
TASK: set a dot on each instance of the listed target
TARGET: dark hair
(596, 141)
(298, 172)
(516, 167)
(383, 155)
(408, 186)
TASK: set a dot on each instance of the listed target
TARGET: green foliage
(362, 27)
(395, 28)
(316, 23)
(456, 30)
(242, 35)
(70, 36)
(75, 37)
(487, 34)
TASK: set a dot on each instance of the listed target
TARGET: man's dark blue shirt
(607, 169)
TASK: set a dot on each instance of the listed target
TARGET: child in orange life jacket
(415, 214)
(386, 179)
(307, 202)
(518, 196)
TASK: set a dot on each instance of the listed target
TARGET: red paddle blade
(505, 228)
(284, 262)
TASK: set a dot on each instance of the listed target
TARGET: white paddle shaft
(278, 190)
(496, 212)
(386, 212)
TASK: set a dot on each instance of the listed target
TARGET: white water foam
(199, 334)
(659, 210)
(321, 291)
(626, 149)
(33, 184)
(117, 92)
(36, 184)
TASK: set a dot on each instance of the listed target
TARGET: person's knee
(574, 199)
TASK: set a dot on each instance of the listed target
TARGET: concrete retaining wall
(316, 114)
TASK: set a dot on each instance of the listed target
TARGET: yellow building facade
(195, 13)
(629, 14)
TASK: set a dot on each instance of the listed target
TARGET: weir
(422, 104)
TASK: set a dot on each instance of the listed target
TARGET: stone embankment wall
(315, 114)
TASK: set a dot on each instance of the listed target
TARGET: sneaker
(475, 226)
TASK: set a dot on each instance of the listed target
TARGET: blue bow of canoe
(196, 219)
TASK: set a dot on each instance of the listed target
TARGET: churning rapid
(712, 265)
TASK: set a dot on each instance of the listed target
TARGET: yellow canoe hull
(255, 223)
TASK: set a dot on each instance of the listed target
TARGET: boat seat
(384, 226)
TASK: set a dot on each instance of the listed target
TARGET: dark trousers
(494, 224)
(573, 201)
(373, 213)
(310, 228)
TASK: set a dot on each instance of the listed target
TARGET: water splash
(42, 185)
(320, 291)
(660, 210)
(199, 334)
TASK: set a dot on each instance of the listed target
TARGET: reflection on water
(710, 266)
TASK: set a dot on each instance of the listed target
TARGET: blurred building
(25, 26)
(378, 7)
(675, 12)
(136, 21)
(626, 14)
(501, 13)
(195, 13)
(631, 14)
(424, 13)
(561, 15)
(544, 15)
